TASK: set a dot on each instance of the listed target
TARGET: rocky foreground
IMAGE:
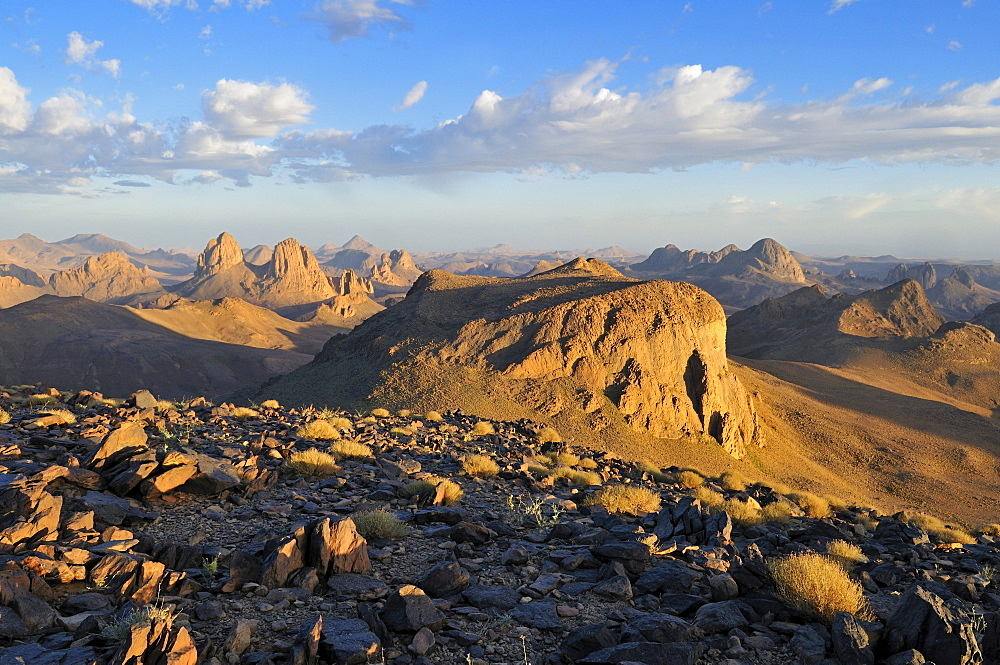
(151, 532)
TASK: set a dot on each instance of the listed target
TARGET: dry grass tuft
(433, 417)
(451, 492)
(119, 629)
(320, 430)
(587, 463)
(941, 532)
(817, 587)
(379, 525)
(41, 400)
(733, 481)
(482, 428)
(548, 435)
(415, 487)
(401, 431)
(689, 479)
(404, 413)
(564, 459)
(575, 477)
(313, 464)
(654, 472)
(778, 512)
(350, 450)
(744, 513)
(245, 413)
(340, 422)
(381, 413)
(65, 415)
(848, 555)
(811, 504)
(630, 499)
(480, 466)
(991, 530)
(708, 497)
(4, 417)
(270, 404)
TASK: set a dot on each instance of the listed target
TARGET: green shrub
(379, 525)
(817, 587)
(630, 499)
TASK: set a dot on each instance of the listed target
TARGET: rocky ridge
(150, 532)
(580, 343)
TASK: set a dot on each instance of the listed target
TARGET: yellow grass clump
(817, 586)
(587, 463)
(401, 431)
(708, 497)
(482, 428)
(313, 464)
(350, 450)
(379, 525)
(811, 504)
(480, 466)
(381, 413)
(690, 479)
(321, 430)
(778, 511)
(733, 481)
(576, 477)
(630, 499)
(433, 416)
(245, 413)
(404, 413)
(991, 530)
(548, 435)
(65, 415)
(744, 513)
(848, 555)
(451, 492)
(415, 487)
(941, 532)
(41, 400)
(655, 472)
(340, 422)
(270, 404)
(4, 417)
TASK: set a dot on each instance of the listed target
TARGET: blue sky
(834, 126)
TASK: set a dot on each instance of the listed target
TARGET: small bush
(4, 417)
(733, 481)
(64, 415)
(778, 512)
(690, 479)
(415, 487)
(340, 422)
(380, 413)
(846, 554)
(708, 497)
(627, 499)
(245, 413)
(537, 470)
(565, 459)
(587, 463)
(119, 629)
(992, 530)
(581, 478)
(380, 525)
(313, 464)
(401, 431)
(270, 404)
(433, 417)
(350, 450)
(451, 492)
(811, 504)
(817, 587)
(941, 532)
(482, 428)
(481, 466)
(404, 413)
(548, 435)
(41, 400)
(320, 430)
(745, 513)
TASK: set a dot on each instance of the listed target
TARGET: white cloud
(349, 19)
(15, 110)
(954, 46)
(837, 5)
(81, 52)
(241, 109)
(205, 32)
(415, 94)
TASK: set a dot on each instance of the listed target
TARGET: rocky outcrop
(923, 274)
(396, 269)
(650, 355)
(23, 275)
(766, 257)
(672, 259)
(109, 278)
(293, 273)
(959, 297)
(806, 325)
(13, 291)
(220, 254)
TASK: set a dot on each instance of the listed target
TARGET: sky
(834, 126)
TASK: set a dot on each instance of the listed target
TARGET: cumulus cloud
(415, 94)
(81, 52)
(15, 110)
(350, 19)
(573, 123)
(241, 109)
